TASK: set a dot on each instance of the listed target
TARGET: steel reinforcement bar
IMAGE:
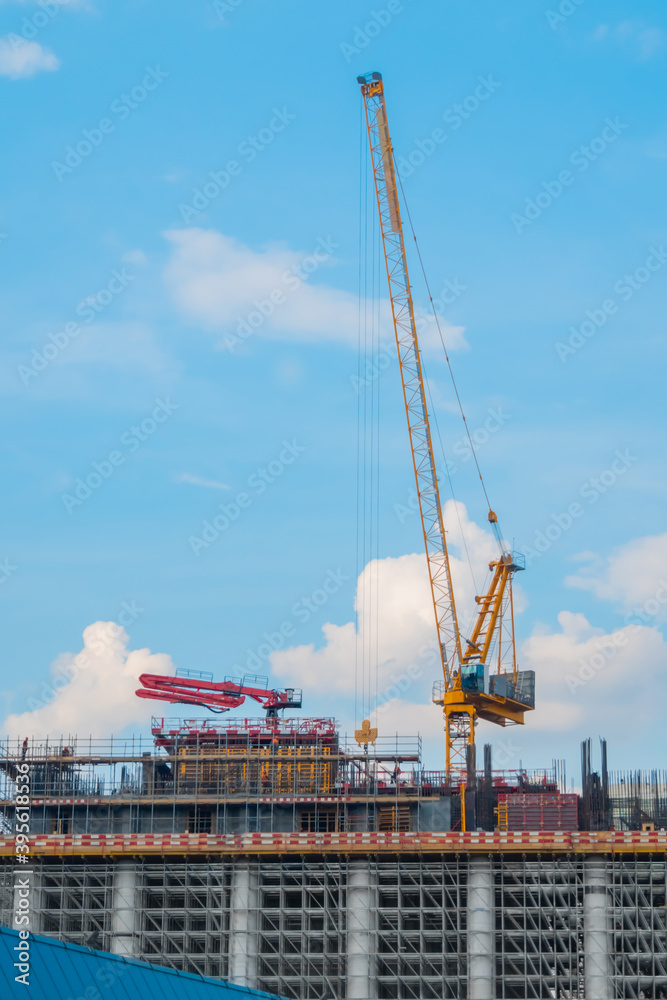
(79, 845)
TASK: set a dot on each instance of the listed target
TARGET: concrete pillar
(481, 929)
(361, 927)
(243, 912)
(597, 938)
(124, 937)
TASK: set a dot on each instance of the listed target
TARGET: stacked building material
(538, 811)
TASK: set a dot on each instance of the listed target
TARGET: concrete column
(481, 929)
(124, 937)
(361, 927)
(597, 938)
(243, 938)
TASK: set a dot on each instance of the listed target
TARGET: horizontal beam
(219, 753)
(388, 795)
(149, 845)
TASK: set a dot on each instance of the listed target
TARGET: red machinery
(191, 687)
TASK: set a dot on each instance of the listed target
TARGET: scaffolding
(282, 856)
(244, 775)
(447, 927)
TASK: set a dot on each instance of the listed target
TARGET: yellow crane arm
(411, 375)
(468, 691)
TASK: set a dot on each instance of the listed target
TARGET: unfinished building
(279, 855)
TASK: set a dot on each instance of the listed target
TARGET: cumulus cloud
(592, 680)
(395, 622)
(588, 680)
(24, 59)
(92, 691)
(237, 292)
(635, 577)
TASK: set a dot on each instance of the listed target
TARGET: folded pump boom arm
(216, 696)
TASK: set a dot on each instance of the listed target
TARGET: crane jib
(412, 378)
(468, 690)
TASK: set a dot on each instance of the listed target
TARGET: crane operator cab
(475, 678)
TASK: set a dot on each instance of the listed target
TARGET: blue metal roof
(60, 971)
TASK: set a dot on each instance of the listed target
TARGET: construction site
(277, 855)
(281, 854)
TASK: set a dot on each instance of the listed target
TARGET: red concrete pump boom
(191, 687)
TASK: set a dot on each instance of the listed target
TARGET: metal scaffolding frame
(403, 928)
(204, 777)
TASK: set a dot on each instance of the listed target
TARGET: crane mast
(467, 690)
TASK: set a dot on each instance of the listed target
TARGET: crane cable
(451, 488)
(363, 210)
(494, 523)
(367, 569)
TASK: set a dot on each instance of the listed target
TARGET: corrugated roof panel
(60, 971)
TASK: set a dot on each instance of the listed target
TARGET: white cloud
(227, 287)
(137, 257)
(395, 618)
(635, 576)
(591, 681)
(23, 59)
(211, 484)
(644, 41)
(127, 345)
(588, 681)
(92, 692)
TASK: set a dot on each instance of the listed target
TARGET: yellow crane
(470, 688)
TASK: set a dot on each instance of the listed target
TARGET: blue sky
(542, 206)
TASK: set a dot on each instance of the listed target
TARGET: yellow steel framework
(283, 770)
(493, 632)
